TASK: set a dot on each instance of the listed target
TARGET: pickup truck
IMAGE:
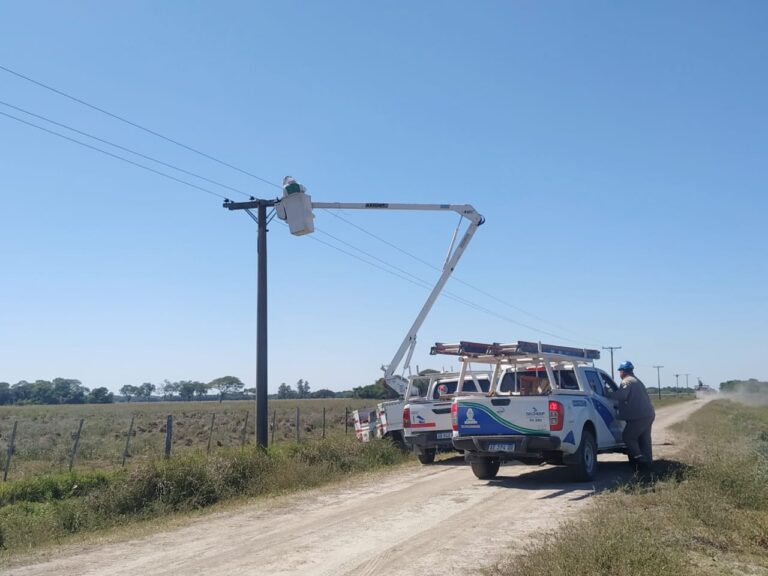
(427, 417)
(545, 404)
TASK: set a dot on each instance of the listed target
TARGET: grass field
(45, 433)
(707, 514)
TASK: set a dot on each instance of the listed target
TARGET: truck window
(448, 387)
(594, 382)
(607, 382)
(534, 382)
(566, 380)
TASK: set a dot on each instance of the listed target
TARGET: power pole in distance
(677, 383)
(658, 378)
(262, 427)
(612, 348)
(686, 382)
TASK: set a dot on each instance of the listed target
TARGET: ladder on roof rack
(495, 351)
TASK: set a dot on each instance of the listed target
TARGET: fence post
(76, 444)
(168, 435)
(128, 440)
(346, 420)
(323, 422)
(298, 421)
(11, 450)
(210, 432)
(245, 429)
(274, 425)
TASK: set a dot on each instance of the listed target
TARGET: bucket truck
(296, 209)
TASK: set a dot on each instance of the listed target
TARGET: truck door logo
(470, 419)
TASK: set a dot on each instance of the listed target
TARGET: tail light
(407, 417)
(455, 416)
(556, 415)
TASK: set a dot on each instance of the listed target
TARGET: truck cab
(427, 414)
(545, 404)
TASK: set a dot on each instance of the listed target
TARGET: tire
(485, 468)
(427, 457)
(585, 468)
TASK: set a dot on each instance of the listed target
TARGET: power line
(136, 125)
(423, 284)
(455, 278)
(123, 148)
(138, 165)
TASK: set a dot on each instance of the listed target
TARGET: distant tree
(302, 388)
(226, 384)
(249, 391)
(285, 392)
(145, 391)
(22, 392)
(129, 391)
(69, 391)
(100, 396)
(201, 390)
(43, 393)
(169, 388)
(423, 383)
(323, 393)
(377, 390)
(751, 386)
(6, 395)
(186, 389)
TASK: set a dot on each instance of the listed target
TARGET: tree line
(72, 391)
(751, 386)
(56, 391)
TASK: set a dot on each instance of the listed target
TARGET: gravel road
(430, 520)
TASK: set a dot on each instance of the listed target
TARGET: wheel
(585, 468)
(485, 468)
(427, 457)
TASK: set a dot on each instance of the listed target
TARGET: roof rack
(520, 350)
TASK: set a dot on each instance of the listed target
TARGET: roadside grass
(669, 399)
(707, 514)
(51, 509)
(44, 436)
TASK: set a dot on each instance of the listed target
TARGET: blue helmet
(626, 366)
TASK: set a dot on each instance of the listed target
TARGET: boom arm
(398, 383)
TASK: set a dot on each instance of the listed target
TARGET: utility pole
(612, 348)
(686, 382)
(677, 383)
(262, 427)
(658, 378)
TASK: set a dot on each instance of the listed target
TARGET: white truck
(427, 415)
(545, 404)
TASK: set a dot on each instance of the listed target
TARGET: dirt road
(432, 520)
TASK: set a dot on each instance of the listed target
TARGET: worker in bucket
(636, 409)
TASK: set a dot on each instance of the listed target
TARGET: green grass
(51, 509)
(44, 436)
(708, 514)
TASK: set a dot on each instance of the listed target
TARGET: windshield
(471, 384)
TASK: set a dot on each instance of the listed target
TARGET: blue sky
(617, 150)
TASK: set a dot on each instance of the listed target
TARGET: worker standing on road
(636, 408)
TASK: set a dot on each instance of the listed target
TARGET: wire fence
(41, 440)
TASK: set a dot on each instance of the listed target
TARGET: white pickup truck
(427, 417)
(545, 404)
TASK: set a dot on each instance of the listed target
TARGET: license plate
(444, 435)
(501, 447)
